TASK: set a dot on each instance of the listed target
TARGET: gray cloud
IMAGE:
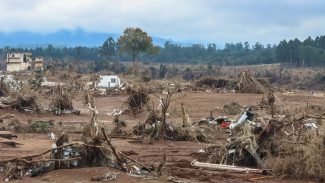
(266, 21)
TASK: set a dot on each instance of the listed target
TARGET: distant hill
(63, 38)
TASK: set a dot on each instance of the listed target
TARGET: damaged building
(19, 61)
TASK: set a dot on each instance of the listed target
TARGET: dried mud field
(179, 153)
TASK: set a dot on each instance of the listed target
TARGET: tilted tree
(135, 41)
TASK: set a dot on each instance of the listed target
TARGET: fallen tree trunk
(226, 167)
(119, 160)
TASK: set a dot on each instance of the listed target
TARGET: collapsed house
(20, 61)
(108, 81)
(109, 85)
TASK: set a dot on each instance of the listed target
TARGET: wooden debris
(161, 165)
(226, 167)
(105, 177)
(7, 134)
(119, 160)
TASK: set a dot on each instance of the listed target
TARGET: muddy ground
(179, 154)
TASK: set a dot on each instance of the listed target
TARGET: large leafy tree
(135, 41)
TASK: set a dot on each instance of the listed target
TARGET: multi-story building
(19, 61)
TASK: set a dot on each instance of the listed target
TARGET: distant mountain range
(63, 38)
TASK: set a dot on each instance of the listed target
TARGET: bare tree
(164, 103)
(93, 115)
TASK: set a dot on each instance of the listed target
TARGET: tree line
(310, 52)
(135, 44)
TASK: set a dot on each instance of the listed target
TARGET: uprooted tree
(137, 100)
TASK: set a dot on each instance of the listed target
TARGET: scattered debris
(247, 84)
(10, 123)
(116, 112)
(161, 165)
(210, 82)
(221, 121)
(119, 124)
(246, 115)
(277, 143)
(300, 153)
(7, 135)
(62, 104)
(8, 142)
(176, 180)
(106, 176)
(8, 84)
(137, 100)
(21, 103)
(232, 108)
(51, 136)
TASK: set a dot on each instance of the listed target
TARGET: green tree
(258, 46)
(135, 41)
(109, 48)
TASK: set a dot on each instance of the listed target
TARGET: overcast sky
(204, 21)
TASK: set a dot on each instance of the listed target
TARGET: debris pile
(221, 121)
(137, 100)
(232, 108)
(157, 127)
(105, 177)
(195, 132)
(8, 84)
(283, 144)
(118, 129)
(62, 104)
(302, 152)
(26, 103)
(177, 133)
(247, 84)
(213, 83)
(6, 139)
(94, 151)
(10, 123)
(4, 88)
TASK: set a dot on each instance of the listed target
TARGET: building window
(113, 80)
